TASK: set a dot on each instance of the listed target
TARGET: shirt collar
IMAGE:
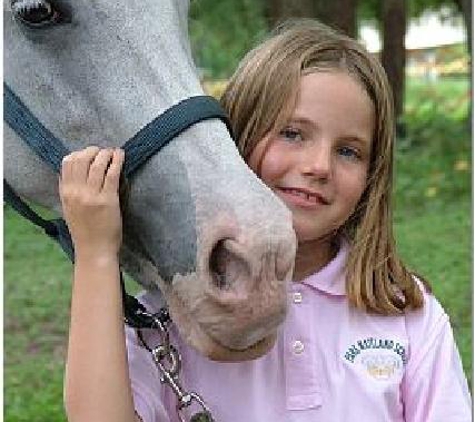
(331, 278)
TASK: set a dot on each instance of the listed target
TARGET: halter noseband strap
(173, 121)
(138, 149)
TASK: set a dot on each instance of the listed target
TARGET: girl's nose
(318, 161)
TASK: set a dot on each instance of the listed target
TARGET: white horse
(199, 226)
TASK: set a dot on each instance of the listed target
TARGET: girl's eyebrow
(356, 139)
(301, 120)
(309, 124)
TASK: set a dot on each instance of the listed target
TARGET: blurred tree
(223, 31)
(393, 56)
(278, 10)
(465, 7)
(339, 14)
(389, 18)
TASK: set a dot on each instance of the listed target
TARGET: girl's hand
(88, 189)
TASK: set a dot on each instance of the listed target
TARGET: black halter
(138, 149)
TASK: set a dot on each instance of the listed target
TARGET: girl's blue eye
(349, 152)
(291, 134)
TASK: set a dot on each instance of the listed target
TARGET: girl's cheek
(259, 153)
(269, 160)
(253, 163)
(271, 167)
(255, 158)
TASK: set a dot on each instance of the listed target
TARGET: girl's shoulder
(430, 314)
(427, 327)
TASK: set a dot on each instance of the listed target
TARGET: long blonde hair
(260, 97)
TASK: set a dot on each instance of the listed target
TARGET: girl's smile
(317, 164)
(301, 197)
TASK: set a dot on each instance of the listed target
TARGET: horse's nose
(248, 283)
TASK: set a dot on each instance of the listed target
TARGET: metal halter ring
(168, 361)
(187, 401)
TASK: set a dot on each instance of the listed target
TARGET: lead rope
(165, 355)
(168, 361)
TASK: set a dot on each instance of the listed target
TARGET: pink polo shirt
(331, 363)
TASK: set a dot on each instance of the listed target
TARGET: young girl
(364, 339)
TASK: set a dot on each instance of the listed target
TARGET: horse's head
(198, 224)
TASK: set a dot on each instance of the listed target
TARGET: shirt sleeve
(434, 387)
(145, 382)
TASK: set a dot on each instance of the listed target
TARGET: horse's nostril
(228, 264)
(220, 256)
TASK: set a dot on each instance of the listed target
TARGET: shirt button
(298, 347)
(298, 297)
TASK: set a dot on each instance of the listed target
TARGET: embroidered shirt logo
(380, 358)
(381, 367)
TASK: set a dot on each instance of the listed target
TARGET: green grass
(437, 245)
(433, 230)
(37, 287)
(36, 318)
(433, 203)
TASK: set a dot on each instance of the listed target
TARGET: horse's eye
(36, 13)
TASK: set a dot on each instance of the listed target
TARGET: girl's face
(318, 162)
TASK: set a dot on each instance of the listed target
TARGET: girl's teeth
(298, 193)
(304, 195)
(312, 198)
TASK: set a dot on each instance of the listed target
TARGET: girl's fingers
(67, 167)
(112, 178)
(81, 161)
(98, 169)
